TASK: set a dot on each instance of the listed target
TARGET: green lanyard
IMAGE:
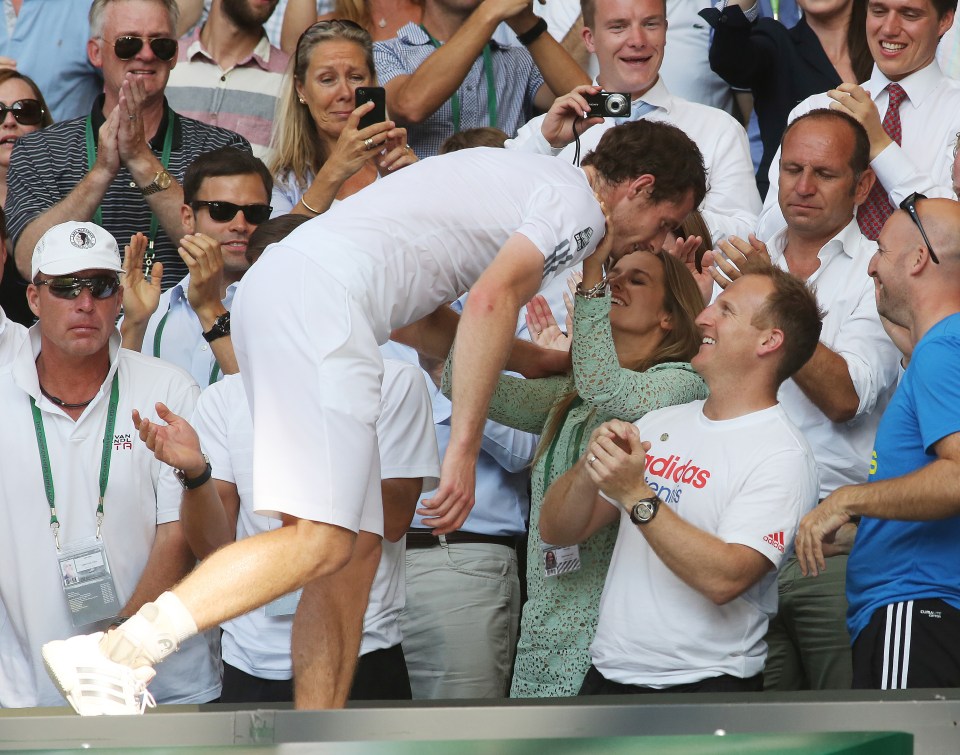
(164, 160)
(104, 458)
(158, 335)
(491, 86)
(574, 451)
(775, 7)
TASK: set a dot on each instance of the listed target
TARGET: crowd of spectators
(734, 465)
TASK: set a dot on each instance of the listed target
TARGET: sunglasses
(909, 206)
(25, 112)
(69, 287)
(338, 24)
(223, 212)
(126, 48)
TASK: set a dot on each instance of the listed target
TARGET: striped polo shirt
(242, 99)
(47, 165)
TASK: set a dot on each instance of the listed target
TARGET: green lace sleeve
(613, 390)
(518, 403)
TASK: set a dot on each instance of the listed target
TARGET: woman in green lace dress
(631, 349)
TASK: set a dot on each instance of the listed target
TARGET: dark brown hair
(644, 147)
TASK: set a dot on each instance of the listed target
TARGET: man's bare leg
(234, 580)
(328, 627)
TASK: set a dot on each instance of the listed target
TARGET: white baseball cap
(73, 246)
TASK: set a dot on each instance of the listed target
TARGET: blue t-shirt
(894, 561)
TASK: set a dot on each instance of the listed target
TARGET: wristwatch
(645, 509)
(220, 328)
(195, 482)
(160, 182)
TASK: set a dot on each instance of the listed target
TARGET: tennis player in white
(308, 319)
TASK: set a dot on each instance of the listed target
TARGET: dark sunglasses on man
(70, 286)
(223, 212)
(27, 112)
(127, 48)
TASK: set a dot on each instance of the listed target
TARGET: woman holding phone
(320, 152)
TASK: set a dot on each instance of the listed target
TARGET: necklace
(63, 404)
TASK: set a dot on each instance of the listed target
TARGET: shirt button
(204, 347)
(133, 184)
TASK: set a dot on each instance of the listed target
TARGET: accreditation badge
(87, 582)
(285, 605)
(559, 560)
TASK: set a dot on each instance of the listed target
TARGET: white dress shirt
(731, 205)
(852, 329)
(930, 119)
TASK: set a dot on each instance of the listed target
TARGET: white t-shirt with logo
(259, 644)
(748, 481)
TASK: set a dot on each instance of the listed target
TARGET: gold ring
(368, 143)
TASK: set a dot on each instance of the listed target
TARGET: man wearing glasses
(226, 195)
(85, 540)
(902, 577)
(121, 165)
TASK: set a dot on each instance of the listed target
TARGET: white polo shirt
(851, 328)
(259, 644)
(33, 608)
(746, 480)
(12, 334)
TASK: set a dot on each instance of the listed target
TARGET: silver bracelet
(595, 292)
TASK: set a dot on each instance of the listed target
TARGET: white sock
(150, 635)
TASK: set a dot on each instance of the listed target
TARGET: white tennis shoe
(92, 683)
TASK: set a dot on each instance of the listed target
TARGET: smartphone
(377, 96)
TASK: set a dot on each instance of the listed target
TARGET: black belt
(423, 539)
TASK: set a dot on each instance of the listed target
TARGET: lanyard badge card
(84, 570)
(88, 582)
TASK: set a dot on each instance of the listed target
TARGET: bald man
(903, 576)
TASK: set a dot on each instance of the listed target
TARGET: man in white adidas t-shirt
(709, 496)
(308, 319)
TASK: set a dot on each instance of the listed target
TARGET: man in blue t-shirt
(903, 576)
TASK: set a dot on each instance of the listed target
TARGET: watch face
(643, 511)
(164, 180)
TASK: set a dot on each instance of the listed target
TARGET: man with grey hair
(121, 165)
(92, 528)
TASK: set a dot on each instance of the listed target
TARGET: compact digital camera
(608, 104)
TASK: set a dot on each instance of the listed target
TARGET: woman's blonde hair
(683, 302)
(295, 144)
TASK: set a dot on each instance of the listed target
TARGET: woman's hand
(356, 146)
(396, 153)
(543, 327)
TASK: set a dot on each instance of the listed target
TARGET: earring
(301, 100)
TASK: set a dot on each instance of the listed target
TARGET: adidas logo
(775, 539)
